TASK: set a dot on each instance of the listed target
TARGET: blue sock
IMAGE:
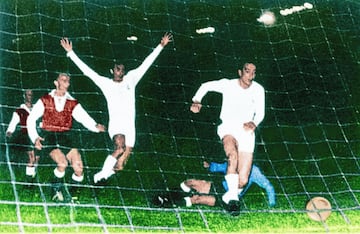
(218, 167)
(224, 183)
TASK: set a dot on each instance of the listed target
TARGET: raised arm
(68, 47)
(139, 72)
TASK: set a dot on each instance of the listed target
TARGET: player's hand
(196, 107)
(101, 127)
(38, 144)
(66, 44)
(206, 164)
(249, 126)
(166, 39)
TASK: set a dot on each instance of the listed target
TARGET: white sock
(77, 178)
(109, 164)
(188, 201)
(58, 173)
(109, 173)
(232, 181)
(184, 187)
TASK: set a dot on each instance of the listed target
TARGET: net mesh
(307, 145)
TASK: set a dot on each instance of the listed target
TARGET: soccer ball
(318, 208)
(268, 18)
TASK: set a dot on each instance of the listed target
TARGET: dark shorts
(59, 140)
(22, 141)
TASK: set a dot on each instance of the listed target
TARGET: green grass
(308, 144)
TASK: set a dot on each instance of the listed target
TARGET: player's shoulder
(257, 85)
(227, 81)
(22, 106)
(70, 97)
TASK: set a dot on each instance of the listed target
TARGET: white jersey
(239, 105)
(120, 96)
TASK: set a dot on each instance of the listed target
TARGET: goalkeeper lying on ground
(202, 192)
(256, 176)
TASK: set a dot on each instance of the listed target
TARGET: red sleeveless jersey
(55, 121)
(23, 114)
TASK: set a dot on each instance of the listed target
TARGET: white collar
(66, 96)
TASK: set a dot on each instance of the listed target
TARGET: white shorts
(128, 130)
(245, 138)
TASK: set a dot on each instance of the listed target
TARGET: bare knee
(231, 151)
(119, 145)
(230, 146)
(77, 166)
(74, 157)
(123, 159)
(60, 159)
(243, 181)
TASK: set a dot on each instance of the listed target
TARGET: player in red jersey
(19, 117)
(58, 109)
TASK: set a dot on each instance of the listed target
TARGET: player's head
(62, 82)
(28, 95)
(118, 71)
(247, 74)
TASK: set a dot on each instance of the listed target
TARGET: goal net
(308, 144)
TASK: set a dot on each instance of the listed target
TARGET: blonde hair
(63, 74)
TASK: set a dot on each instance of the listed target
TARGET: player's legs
(208, 200)
(59, 172)
(127, 143)
(202, 190)
(231, 150)
(200, 186)
(74, 157)
(203, 195)
(119, 145)
(232, 178)
(59, 158)
(32, 163)
(260, 179)
(112, 159)
(121, 162)
(246, 147)
(244, 167)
